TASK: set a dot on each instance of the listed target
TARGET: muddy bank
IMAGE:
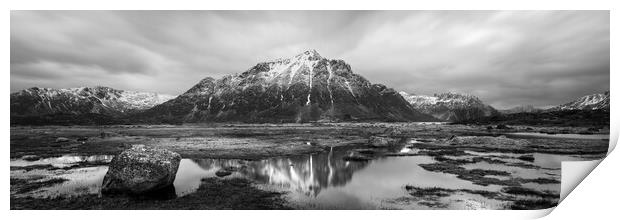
(260, 141)
(241, 142)
(212, 194)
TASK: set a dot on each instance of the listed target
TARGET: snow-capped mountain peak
(303, 87)
(286, 70)
(309, 55)
(588, 102)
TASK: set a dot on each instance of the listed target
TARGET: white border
(592, 198)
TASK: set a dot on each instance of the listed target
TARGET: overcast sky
(505, 58)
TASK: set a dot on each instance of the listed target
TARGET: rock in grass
(502, 126)
(141, 170)
(529, 158)
(31, 158)
(377, 141)
(222, 173)
(226, 171)
(62, 139)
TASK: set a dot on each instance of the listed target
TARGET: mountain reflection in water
(307, 174)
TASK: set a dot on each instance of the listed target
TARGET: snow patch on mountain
(103, 100)
(142, 100)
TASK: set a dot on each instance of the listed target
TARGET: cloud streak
(507, 58)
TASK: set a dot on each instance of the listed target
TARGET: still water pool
(318, 181)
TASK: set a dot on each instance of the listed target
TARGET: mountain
(450, 106)
(588, 102)
(85, 101)
(588, 111)
(306, 87)
(520, 109)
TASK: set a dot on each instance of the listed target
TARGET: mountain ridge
(588, 102)
(305, 87)
(450, 106)
(590, 110)
(37, 101)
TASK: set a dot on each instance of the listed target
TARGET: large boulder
(141, 170)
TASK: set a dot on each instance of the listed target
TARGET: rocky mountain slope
(306, 87)
(588, 102)
(85, 100)
(450, 106)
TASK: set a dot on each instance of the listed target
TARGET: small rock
(377, 141)
(82, 139)
(502, 126)
(529, 158)
(31, 158)
(62, 139)
(232, 169)
(222, 173)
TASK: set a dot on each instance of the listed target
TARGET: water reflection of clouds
(62, 161)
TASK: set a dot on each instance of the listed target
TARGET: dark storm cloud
(506, 58)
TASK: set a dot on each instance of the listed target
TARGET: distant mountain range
(303, 88)
(85, 105)
(99, 100)
(590, 110)
(588, 102)
(598, 101)
(450, 106)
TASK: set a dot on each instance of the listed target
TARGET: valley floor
(59, 167)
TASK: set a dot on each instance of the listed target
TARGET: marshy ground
(307, 166)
